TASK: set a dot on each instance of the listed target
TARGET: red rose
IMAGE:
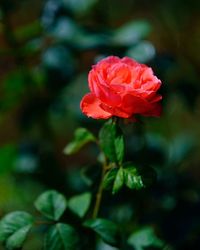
(123, 88)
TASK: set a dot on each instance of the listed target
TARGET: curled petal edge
(91, 107)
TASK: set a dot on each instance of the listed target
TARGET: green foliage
(109, 178)
(8, 154)
(142, 52)
(129, 175)
(144, 238)
(65, 30)
(51, 204)
(119, 147)
(82, 137)
(119, 180)
(112, 142)
(16, 240)
(179, 148)
(28, 31)
(14, 228)
(132, 178)
(106, 229)
(132, 32)
(79, 6)
(79, 204)
(87, 41)
(61, 237)
(14, 86)
(58, 58)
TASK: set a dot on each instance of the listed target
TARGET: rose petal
(152, 85)
(110, 60)
(102, 90)
(90, 106)
(129, 61)
(156, 98)
(150, 96)
(134, 104)
(115, 111)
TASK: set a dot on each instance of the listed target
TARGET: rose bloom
(122, 88)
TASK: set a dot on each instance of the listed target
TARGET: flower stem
(99, 192)
(44, 222)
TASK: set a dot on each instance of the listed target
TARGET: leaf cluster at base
(15, 226)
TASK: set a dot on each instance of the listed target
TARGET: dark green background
(46, 51)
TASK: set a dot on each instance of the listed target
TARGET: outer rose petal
(110, 60)
(135, 105)
(129, 61)
(116, 111)
(156, 98)
(90, 106)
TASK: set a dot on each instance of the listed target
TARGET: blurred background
(46, 51)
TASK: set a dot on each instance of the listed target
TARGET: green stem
(99, 192)
(44, 222)
(105, 168)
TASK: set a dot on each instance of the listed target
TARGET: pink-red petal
(135, 104)
(129, 61)
(90, 106)
(116, 111)
(102, 90)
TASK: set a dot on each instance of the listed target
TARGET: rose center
(119, 74)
